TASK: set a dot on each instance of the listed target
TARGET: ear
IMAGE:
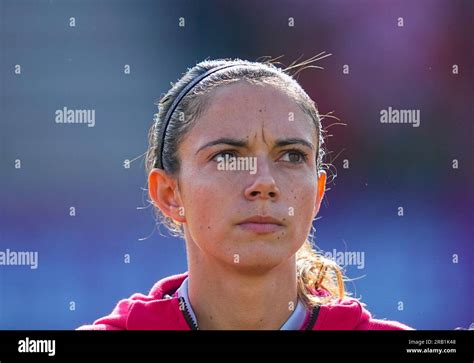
(320, 191)
(164, 192)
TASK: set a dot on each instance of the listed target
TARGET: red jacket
(154, 312)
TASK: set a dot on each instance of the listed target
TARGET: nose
(263, 186)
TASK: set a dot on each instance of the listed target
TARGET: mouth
(261, 224)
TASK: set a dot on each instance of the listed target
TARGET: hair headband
(177, 100)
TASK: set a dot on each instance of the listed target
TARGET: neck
(224, 298)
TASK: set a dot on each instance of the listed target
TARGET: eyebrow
(244, 143)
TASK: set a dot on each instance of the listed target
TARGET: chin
(258, 259)
(255, 269)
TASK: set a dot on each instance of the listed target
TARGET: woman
(235, 166)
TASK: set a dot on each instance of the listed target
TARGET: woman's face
(270, 134)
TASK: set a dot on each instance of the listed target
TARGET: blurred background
(418, 266)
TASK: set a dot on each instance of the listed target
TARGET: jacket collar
(161, 313)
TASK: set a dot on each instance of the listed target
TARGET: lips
(262, 220)
(261, 224)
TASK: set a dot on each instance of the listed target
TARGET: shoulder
(140, 306)
(117, 319)
(350, 314)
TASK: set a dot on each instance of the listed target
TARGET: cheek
(207, 202)
(301, 194)
(301, 199)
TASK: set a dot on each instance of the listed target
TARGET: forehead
(241, 109)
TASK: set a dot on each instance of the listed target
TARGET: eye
(221, 155)
(295, 156)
